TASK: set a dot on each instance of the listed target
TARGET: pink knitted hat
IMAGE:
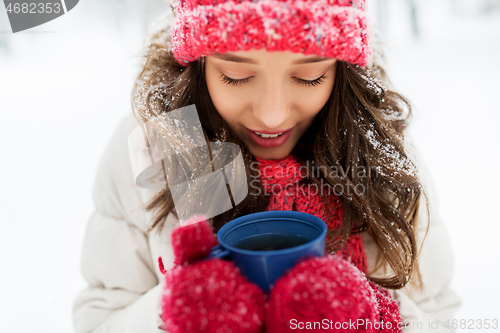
(329, 28)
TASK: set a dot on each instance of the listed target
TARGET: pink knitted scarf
(284, 181)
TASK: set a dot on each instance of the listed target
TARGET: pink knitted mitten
(333, 293)
(207, 295)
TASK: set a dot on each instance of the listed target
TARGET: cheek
(310, 101)
(224, 99)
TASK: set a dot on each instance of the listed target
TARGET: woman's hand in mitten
(333, 292)
(207, 295)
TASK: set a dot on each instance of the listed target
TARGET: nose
(272, 107)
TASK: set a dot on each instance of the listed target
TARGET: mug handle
(218, 252)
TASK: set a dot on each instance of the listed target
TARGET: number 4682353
(34, 8)
(472, 324)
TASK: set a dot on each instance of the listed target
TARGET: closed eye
(311, 83)
(226, 79)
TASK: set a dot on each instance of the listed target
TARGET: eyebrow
(235, 58)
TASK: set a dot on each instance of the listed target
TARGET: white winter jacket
(120, 260)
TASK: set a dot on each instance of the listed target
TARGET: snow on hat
(329, 28)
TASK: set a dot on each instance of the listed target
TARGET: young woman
(291, 83)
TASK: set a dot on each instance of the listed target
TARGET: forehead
(257, 57)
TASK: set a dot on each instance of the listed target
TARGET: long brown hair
(359, 128)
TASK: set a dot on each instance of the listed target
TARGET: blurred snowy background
(65, 85)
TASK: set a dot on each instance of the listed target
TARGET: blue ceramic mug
(265, 245)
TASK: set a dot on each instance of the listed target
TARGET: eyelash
(234, 82)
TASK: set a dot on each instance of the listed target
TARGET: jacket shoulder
(116, 193)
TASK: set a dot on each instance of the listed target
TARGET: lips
(268, 139)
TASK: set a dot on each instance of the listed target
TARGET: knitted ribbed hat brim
(310, 27)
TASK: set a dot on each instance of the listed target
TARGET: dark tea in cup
(270, 242)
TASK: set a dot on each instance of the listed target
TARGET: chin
(271, 153)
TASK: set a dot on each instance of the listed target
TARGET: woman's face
(269, 93)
